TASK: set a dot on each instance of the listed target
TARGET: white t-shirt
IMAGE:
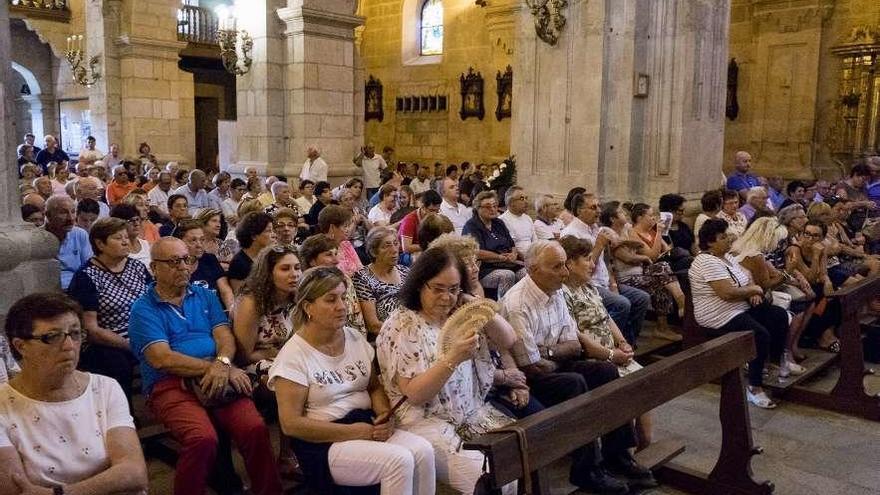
(709, 309)
(550, 231)
(458, 214)
(522, 230)
(314, 170)
(304, 204)
(420, 186)
(143, 255)
(371, 167)
(377, 214)
(337, 384)
(158, 198)
(61, 443)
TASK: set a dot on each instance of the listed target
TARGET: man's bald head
(166, 245)
(742, 160)
(88, 187)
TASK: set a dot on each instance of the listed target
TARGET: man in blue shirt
(741, 180)
(51, 153)
(75, 249)
(180, 334)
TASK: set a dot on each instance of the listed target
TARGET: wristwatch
(223, 360)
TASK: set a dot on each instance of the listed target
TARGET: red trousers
(192, 426)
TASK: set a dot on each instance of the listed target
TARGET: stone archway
(33, 99)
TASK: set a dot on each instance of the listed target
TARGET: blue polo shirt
(738, 181)
(73, 253)
(187, 329)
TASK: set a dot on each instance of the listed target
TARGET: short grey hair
(542, 200)
(537, 248)
(511, 191)
(277, 186)
(197, 173)
(753, 191)
(376, 235)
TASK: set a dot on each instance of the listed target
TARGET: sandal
(833, 347)
(760, 400)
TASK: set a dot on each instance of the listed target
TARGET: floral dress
(273, 330)
(585, 305)
(407, 346)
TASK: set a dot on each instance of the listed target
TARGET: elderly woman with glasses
(378, 283)
(727, 300)
(139, 249)
(62, 430)
(501, 265)
(330, 400)
(445, 393)
(106, 287)
(138, 198)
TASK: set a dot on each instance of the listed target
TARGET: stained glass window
(432, 27)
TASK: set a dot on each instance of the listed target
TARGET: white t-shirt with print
(61, 443)
(337, 384)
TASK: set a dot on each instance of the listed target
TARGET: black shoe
(637, 475)
(599, 481)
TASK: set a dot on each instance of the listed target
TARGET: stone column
(261, 126)
(103, 18)
(579, 117)
(27, 263)
(325, 108)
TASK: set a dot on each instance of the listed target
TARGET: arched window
(431, 26)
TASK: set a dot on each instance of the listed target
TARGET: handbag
(794, 293)
(226, 396)
(778, 298)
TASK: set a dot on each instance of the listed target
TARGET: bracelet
(610, 355)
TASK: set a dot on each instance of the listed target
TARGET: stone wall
(473, 37)
(788, 81)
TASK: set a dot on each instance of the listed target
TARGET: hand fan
(468, 318)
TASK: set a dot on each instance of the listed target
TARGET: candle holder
(75, 56)
(232, 41)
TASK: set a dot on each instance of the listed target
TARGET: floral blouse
(407, 346)
(275, 328)
(8, 366)
(585, 305)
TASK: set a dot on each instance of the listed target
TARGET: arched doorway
(32, 99)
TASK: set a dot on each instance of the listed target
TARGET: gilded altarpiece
(856, 132)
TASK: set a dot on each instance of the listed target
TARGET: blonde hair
(461, 246)
(817, 209)
(315, 283)
(249, 206)
(762, 237)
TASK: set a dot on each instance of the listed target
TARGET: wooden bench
(555, 432)
(848, 395)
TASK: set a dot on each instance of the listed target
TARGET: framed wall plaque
(472, 95)
(373, 100)
(505, 94)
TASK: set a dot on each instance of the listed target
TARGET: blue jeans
(627, 308)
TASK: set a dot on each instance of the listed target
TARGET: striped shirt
(538, 319)
(709, 309)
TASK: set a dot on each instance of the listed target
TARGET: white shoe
(788, 367)
(760, 400)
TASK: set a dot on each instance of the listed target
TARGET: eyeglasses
(453, 291)
(186, 260)
(280, 248)
(55, 338)
(489, 206)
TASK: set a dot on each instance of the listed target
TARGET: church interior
(768, 104)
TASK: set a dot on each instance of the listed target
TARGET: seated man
(179, 331)
(429, 202)
(551, 357)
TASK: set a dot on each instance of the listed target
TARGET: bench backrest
(554, 432)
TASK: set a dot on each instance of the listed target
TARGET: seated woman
(637, 261)
(380, 215)
(331, 402)
(254, 233)
(336, 221)
(207, 272)
(62, 430)
(726, 300)
(710, 203)
(680, 234)
(846, 264)
(800, 250)
(730, 213)
(138, 248)
(750, 250)
(106, 287)
(215, 229)
(138, 198)
(445, 393)
(501, 265)
(178, 209)
(285, 223)
(599, 336)
(378, 283)
(322, 250)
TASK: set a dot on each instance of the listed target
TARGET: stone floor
(807, 451)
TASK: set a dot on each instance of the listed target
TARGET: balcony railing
(197, 25)
(53, 10)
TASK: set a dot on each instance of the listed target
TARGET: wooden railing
(53, 10)
(197, 25)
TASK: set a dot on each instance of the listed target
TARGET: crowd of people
(250, 302)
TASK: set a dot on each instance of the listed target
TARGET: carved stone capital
(317, 22)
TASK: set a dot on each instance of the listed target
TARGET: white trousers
(402, 465)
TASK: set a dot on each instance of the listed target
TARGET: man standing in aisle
(371, 163)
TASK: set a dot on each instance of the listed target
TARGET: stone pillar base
(28, 263)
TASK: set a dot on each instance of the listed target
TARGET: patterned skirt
(653, 280)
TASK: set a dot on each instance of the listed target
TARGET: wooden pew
(555, 432)
(848, 395)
